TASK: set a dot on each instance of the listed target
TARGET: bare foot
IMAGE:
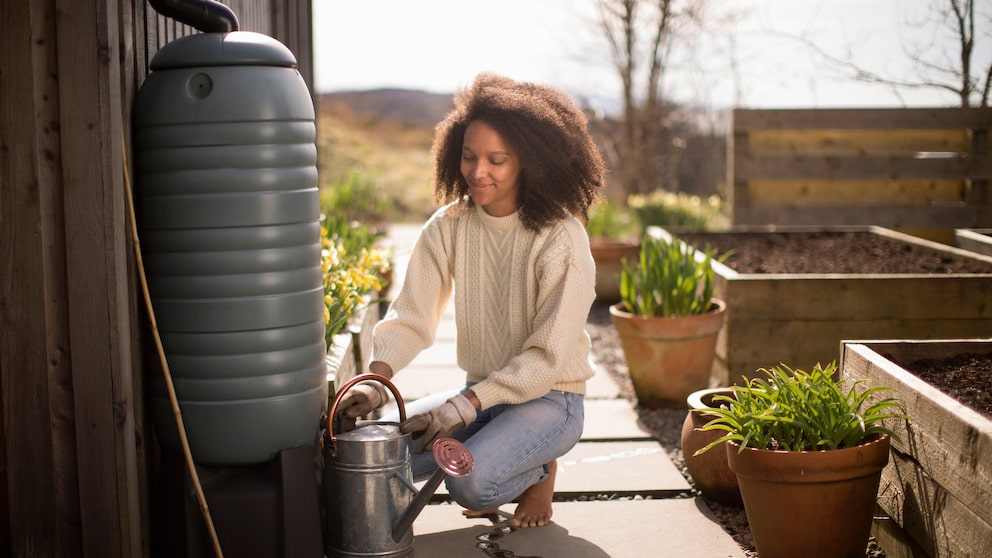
(534, 507)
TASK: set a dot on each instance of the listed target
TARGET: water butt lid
(239, 48)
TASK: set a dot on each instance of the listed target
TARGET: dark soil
(830, 252)
(965, 377)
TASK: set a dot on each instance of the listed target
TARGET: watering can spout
(452, 458)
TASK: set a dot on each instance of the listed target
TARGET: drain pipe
(207, 16)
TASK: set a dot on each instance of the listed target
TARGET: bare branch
(954, 75)
(984, 101)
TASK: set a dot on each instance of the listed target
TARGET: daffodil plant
(353, 267)
(667, 279)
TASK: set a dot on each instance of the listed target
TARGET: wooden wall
(74, 443)
(898, 168)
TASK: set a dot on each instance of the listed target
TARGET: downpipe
(206, 16)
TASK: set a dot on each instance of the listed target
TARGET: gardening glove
(456, 413)
(360, 400)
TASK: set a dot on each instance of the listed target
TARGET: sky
(758, 60)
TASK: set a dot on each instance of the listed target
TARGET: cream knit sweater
(521, 303)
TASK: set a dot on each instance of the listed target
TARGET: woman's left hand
(456, 413)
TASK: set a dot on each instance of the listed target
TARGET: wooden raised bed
(800, 319)
(937, 486)
(976, 240)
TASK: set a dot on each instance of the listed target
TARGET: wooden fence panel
(899, 168)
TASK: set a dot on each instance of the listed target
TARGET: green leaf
(668, 279)
(795, 410)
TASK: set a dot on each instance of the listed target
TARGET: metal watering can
(368, 482)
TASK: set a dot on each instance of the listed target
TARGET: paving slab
(601, 385)
(640, 468)
(630, 467)
(442, 354)
(400, 239)
(611, 419)
(446, 330)
(682, 527)
(421, 379)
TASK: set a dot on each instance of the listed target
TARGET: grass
(391, 157)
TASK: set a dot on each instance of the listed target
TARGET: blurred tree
(645, 144)
(934, 66)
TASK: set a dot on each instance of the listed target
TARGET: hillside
(402, 105)
(385, 137)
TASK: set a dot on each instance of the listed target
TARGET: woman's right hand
(360, 400)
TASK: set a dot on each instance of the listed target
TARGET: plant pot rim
(809, 467)
(873, 439)
(697, 399)
(618, 310)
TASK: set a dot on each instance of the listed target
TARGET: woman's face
(491, 168)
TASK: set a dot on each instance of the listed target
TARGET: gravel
(665, 425)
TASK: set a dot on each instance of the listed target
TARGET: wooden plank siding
(900, 168)
(32, 361)
(77, 455)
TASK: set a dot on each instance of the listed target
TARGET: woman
(515, 171)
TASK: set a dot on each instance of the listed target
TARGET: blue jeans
(510, 445)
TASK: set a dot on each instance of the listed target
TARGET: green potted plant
(808, 452)
(668, 321)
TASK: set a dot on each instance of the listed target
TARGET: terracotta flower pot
(609, 254)
(816, 504)
(709, 471)
(668, 357)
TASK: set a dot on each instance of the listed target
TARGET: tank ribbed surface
(228, 210)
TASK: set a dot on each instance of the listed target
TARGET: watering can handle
(348, 385)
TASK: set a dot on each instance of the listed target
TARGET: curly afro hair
(561, 168)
